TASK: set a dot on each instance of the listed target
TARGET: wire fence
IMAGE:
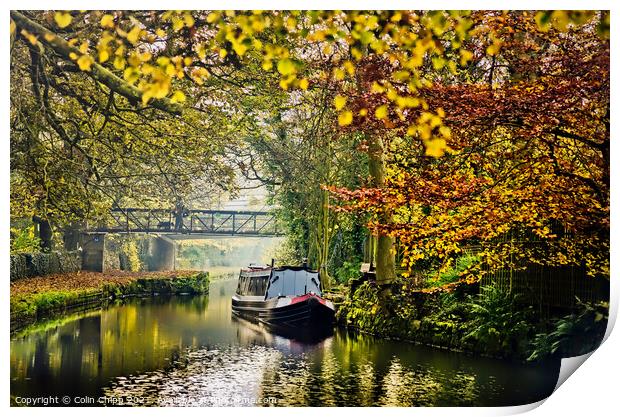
(550, 286)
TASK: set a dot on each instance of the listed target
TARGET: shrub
(497, 322)
(349, 270)
(573, 335)
(453, 274)
(24, 240)
(129, 249)
(364, 310)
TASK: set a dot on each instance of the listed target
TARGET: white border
(590, 391)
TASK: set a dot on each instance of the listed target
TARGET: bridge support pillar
(162, 254)
(93, 246)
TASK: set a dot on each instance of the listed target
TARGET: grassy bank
(37, 298)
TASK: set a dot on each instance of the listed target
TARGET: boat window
(246, 285)
(254, 284)
(260, 286)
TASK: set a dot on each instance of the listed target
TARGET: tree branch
(97, 72)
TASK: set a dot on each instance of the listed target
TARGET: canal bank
(483, 321)
(45, 297)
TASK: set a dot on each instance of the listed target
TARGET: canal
(188, 350)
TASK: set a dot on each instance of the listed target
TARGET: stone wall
(26, 265)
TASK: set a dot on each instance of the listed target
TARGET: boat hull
(308, 311)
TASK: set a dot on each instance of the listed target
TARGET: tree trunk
(45, 234)
(385, 258)
(322, 240)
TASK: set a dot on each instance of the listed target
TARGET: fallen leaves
(83, 280)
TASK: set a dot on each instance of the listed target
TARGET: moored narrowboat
(285, 297)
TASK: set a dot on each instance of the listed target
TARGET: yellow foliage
(103, 56)
(63, 19)
(267, 64)
(31, 38)
(131, 75)
(188, 20)
(84, 47)
(107, 21)
(339, 102)
(178, 97)
(349, 67)
(339, 74)
(381, 112)
(345, 118)
(466, 56)
(198, 75)
(286, 66)
(212, 17)
(134, 34)
(119, 62)
(495, 47)
(85, 62)
(377, 88)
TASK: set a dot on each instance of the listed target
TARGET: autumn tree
(453, 106)
(524, 124)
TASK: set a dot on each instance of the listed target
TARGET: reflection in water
(188, 351)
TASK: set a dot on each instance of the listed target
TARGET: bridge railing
(225, 222)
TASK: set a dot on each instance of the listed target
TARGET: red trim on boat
(305, 297)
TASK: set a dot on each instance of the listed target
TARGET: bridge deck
(206, 222)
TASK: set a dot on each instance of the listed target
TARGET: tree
(79, 145)
(451, 105)
(526, 128)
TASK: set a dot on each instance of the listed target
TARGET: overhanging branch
(97, 72)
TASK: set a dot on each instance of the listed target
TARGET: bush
(453, 274)
(349, 270)
(363, 310)
(24, 240)
(573, 335)
(492, 322)
(497, 322)
(129, 250)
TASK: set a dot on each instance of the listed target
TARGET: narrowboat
(287, 297)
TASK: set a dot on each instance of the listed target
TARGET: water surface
(187, 350)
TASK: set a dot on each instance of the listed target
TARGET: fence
(548, 286)
(558, 287)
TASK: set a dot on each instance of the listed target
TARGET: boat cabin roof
(274, 282)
